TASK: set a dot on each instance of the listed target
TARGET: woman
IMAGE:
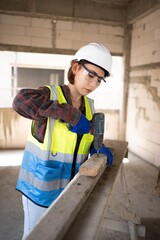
(60, 138)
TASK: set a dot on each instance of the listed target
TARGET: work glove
(83, 126)
(106, 151)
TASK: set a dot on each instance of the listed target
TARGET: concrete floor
(141, 179)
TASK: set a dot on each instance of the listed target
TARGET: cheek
(78, 82)
(79, 79)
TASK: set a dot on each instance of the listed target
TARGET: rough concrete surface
(11, 213)
(141, 180)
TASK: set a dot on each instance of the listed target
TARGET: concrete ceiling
(113, 2)
(119, 12)
(96, 10)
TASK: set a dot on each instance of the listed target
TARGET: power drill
(97, 129)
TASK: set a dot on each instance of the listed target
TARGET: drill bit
(97, 153)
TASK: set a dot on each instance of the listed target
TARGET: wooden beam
(132, 230)
(124, 213)
(63, 211)
(88, 220)
(78, 212)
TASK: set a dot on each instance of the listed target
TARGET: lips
(88, 90)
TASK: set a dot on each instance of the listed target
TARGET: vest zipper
(79, 137)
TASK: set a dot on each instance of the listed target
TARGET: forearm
(28, 102)
(63, 112)
(36, 104)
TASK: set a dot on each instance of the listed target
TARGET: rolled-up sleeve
(35, 104)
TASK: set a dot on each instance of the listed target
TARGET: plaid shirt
(35, 104)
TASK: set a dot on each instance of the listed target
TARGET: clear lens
(91, 75)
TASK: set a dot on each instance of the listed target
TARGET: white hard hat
(97, 54)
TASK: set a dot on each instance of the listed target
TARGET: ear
(75, 67)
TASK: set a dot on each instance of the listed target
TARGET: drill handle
(97, 129)
(97, 124)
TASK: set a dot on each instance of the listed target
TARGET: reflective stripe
(53, 156)
(44, 186)
(32, 147)
(46, 170)
(42, 198)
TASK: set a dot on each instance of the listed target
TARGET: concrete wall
(53, 35)
(14, 129)
(143, 117)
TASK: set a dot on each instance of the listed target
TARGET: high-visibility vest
(46, 167)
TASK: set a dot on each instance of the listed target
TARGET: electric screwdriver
(97, 129)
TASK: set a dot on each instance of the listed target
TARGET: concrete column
(126, 56)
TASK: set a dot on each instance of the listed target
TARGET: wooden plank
(132, 230)
(87, 222)
(122, 227)
(124, 213)
(93, 166)
(63, 211)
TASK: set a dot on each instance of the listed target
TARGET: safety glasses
(90, 75)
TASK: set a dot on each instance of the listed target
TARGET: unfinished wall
(143, 117)
(51, 35)
(14, 129)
